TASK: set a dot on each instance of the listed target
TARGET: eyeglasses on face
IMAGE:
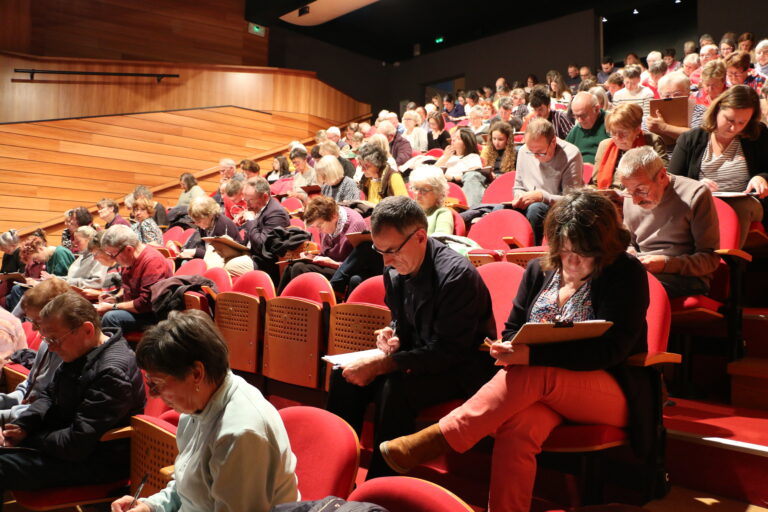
(398, 249)
(114, 256)
(420, 190)
(52, 342)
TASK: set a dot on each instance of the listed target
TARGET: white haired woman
(333, 183)
(430, 188)
(414, 133)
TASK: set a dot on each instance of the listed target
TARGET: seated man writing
(673, 223)
(441, 312)
(97, 387)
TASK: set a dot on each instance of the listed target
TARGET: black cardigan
(619, 294)
(689, 151)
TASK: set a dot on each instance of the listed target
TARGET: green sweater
(440, 221)
(588, 140)
(60, 261)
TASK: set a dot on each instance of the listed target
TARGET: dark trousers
(677, 285)
(27, 470)
(363, 262)
(300, 267)
(398, 398)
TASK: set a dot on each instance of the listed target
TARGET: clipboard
(311, 190)
(556, 332)
(357, 238)
(674, 110)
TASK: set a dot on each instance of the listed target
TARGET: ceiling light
(635, 12)
(604, 19)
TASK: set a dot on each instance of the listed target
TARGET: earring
(197, 389)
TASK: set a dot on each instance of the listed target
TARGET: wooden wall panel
(203, 31)
(56, 97)
(15, 25)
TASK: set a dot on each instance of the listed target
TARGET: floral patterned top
(577, 308)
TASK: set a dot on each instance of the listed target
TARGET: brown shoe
(405, 453)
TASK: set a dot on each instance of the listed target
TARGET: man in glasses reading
(441, 313)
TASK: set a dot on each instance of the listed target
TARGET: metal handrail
(33, 72)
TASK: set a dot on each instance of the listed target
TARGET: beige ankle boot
(405, 453)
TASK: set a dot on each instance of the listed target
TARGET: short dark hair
(448, 97)
(73, 310)
(607, 60)
(174, 345)
(668, 52)
(539, 97)
(298, 153)
(320, 207)
(398, 212)
(438, 119)
(590, 222)
(81, 215)
(370, 152)
(616, 78)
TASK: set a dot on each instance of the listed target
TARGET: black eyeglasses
(114, 256)
(395, 251)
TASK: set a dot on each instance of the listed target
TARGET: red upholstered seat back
(370, 291)
(406, 494)
(459, 226)
(192, 268)
(658, 317)
(490, 230)
(220, 277)
(248, 282)
(308, 286)
(500, 190)
(502, 280)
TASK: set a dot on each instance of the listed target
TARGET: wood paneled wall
(202, 31)
(260, 88)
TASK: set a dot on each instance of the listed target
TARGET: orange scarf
(611, 159)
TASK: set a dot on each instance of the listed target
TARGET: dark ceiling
(389, 29)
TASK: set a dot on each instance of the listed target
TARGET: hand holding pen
(387, 341)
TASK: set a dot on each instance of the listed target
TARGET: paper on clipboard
(357, 238)
(535, 334)
(351, 357)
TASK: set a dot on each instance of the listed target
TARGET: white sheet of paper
(349, 357)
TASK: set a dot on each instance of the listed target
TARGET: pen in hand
(138, 490)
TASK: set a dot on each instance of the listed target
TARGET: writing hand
(13, 435)
(123, 505)
(507, 354)
(363, 371)
(759, 185)
(387, 342)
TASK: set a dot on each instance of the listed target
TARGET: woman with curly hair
(500, 153)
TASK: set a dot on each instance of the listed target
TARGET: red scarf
(611, 159)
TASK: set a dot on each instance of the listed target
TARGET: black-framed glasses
(114, 256)
(35, 323)
(154, 387)
(52, 342)
(400, 247)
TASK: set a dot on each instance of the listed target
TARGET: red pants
(520, 406)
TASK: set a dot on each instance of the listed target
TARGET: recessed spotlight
(604, 20)
(635, 12)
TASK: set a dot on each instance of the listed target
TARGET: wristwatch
(114, 306)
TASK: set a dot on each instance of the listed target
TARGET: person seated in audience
(690, 64)
(73, 219)
(624, 124)
(334, 135)
(304, 174)
(632, 91)
(452, 110)
(430, 188)
(189, 189)
(57, 259)
(738, 71)
(226, 425)
(614, 83)
(462, 163)
(607, 68)
(98, 387)
(729, 153)
(572, 78)
(211, 223)
(673, 223)
(650, 59)
(249, 169)
(746, 42)
(506, 112)
(675, 85)
(9, 245)
(668, 58)
(500, 153)
(586, 274)
(379, 179)
(602, 98)
(476, 122)
(502, 92)
(46, 362)
(333, 183)
(761, 57)
(160, 216)
(557, 88)
(349, 133)
(280, 169)
(589, 129)
(227, 171)
(585, 73)
(655, 72)
(532, 81)
(270, 214)
(414, 133)
(86, 271)
(334, 222)
(141, 266)
(708, 53)
(392, 118)
(236, 257)
(399, 146)
(712, 83)
(109, 212)
(705, 39)
(144, 226)
(30, 269)
(12, 338)
(727, 47)
(437, 137)
(112, 282)
(235, 206)
(541, 110)
(441, 312)
(329, 148)
(519, 105)
(546, 169)
(632, 59)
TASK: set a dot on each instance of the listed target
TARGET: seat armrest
(734, 255)
(167, 473)
(646, 359)
(116, 433)
(512, 241)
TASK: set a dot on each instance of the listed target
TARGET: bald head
(585, 109)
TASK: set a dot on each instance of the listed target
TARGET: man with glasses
(141, 266)
(96, 388)
(441, 313)
(546, 168)
(589, 130)
(673, 223)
